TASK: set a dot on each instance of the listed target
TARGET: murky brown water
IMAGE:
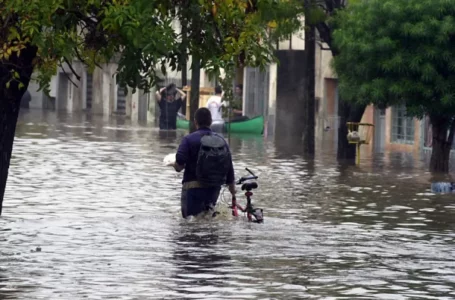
(95, 197)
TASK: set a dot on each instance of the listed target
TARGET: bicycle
(248, 184)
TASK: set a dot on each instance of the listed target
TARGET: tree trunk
(309, 98)
(10, 100)
(442, 144)
(347, 113)
(184, 45)
(195, 83)
(184, 61)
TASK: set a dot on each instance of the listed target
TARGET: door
(62, 92)
(256, 88)
(379, 129)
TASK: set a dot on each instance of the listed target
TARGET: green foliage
(134, 33)
(139, 34)
(239, 32)
(394, 52)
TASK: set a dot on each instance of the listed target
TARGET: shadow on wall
(289, 107)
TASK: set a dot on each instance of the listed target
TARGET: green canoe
(252, 126)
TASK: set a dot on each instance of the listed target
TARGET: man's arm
(180, 104)
(182, 155)
(158, 94)
(182, 94)
(230, 179)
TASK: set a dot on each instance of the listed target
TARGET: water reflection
(6, 292)
(201, 262)
(94, 194)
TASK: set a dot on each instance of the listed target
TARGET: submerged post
(359, 134)
(358, 153)
(229, 124)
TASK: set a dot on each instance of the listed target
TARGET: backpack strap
(208, 133)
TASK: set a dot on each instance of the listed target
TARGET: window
(402, 126)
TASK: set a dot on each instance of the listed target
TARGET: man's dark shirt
(187, 155)
(168, 115)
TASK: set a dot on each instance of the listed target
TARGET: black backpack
(214, 161)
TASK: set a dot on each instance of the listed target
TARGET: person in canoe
(215, 105)
(237, 105)
(169, 106)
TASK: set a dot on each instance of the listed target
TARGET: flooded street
(90, 212)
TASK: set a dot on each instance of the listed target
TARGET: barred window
(402, 126)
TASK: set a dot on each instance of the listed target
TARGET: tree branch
(325, 33)
(67, 76)
(82, 17)
(329, 5)
(72, 69)
(217, 30)
(78, 56)
(7, 21)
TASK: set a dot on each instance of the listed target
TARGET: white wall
(53, 87)
(271, 118)
(36, 97)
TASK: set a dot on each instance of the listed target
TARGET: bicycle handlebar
(243, 179)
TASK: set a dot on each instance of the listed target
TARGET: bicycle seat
(249, 186)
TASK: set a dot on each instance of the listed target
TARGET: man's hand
(158, 94)
(182, 94)
(232, 189)
(178, 167)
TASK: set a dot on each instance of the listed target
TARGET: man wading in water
(207, 161)
(169, 106)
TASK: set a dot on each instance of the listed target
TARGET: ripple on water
(105, 215)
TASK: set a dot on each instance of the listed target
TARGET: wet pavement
(91, 213)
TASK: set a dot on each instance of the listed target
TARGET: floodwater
(91, 213)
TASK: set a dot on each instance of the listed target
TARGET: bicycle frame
(248, 208)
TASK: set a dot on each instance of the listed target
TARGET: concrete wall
(104, 89)
(36, 96)
(132, 105)
(38, 99)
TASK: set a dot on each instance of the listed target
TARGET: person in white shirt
(214, 104)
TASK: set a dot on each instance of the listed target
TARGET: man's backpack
(214, 161)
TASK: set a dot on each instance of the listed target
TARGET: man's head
(203, 118)
(170, 92)
(239, 89)
(218, 90)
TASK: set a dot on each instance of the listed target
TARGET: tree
(40, 35)
(224, 35)
(325, 22)
(309, 101)
(402, 53)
